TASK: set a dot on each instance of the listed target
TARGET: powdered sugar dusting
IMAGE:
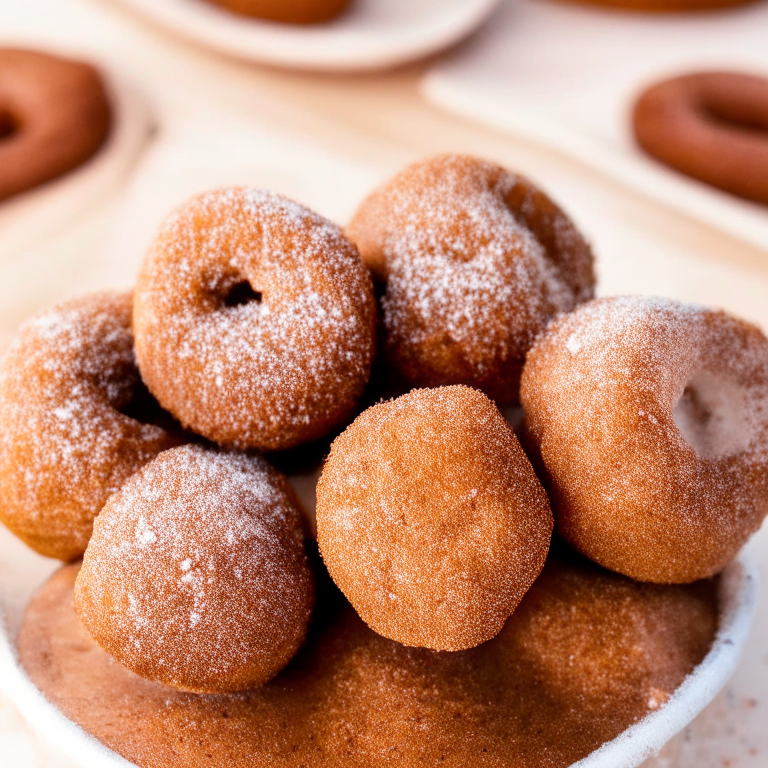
(196, 573)
(273, 371)
(652, 420)
(475, 262)
(64, 445)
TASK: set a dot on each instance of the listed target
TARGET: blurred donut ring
(54, 115)
(291, 12)
(712, 126)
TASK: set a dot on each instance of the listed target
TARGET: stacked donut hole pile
(132, 429)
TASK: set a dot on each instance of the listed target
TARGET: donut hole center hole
(713, 415)
(241, 293)
(8, 125)
(732, 117)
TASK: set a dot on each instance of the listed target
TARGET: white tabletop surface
(325, 140)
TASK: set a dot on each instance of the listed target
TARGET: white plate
(372, 34)
(566, 76)
(737, 597)
(29, 218)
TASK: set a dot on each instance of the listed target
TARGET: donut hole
(8, 125)
(241, 293)
(712, 415)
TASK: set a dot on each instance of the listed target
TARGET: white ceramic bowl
(21, 572)
(373, 34)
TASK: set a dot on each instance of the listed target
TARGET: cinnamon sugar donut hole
(651, 420)
(255, 320)
(473, 261)
(196, 575)
(68, 387)
(287, 11)
(430, 518)
(712, 126)
(55, 114)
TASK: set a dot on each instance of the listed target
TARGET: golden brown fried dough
(473, 262)
(69, 391)
(255, 320)
(651, 420)
(196, 575)
(55, 115)
(430, 518)
(287, 11)
(585, 655)
(712, 126)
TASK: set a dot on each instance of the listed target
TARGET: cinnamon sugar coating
(68, 385)
(651, 421)
(473, 261)
(196, 575)
(586, 654)
(431, 520)
(255, 320)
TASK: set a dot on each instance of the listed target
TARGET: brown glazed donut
(430, 518)
(255, 320)
(288, 11)
(68, 387)
(651, 420)
(196, 575)
(473, 262)
(712, 126)
(585, 655)
(54, 116)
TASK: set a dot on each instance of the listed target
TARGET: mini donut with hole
(55, 115)
(651, 420)
(473, 262)
(75, 421)
(255, 320)
(712, 126)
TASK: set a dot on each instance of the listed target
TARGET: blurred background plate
(373, 34)
(566, 75)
